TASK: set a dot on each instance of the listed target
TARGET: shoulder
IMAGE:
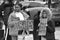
(24, 13)
(50, 22)
(12, 14)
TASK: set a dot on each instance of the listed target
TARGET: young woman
(15, 17)
(47, 24)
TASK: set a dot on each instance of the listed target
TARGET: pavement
(57, 33)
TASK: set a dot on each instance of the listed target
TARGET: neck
(18, 11)
(0, 3)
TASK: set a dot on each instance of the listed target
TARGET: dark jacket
(1, 9)
(50, 30)
(36, 22)
(7, 11)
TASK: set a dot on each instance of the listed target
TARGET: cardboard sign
(21, 25)
(42, 27)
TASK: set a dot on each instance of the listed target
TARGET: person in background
(7, 10)
(1, 9)
(50, 33)
(16, 16)
(1, 14)
(36, 22)
(4, 6)
(2, 26)
(50, 27)
(1, 19)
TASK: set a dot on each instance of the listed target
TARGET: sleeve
(51, 26)
(25, 15)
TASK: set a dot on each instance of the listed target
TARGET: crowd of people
(11, 12)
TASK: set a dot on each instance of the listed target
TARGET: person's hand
(39, 24)
(1, 1)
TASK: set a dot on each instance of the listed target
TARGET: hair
(48, 11)
(18, 5)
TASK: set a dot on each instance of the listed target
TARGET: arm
(12, 20)
(51, 26)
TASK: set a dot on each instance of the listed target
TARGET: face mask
(44, 15)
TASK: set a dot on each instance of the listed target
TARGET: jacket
(50, 30)
(11, 23)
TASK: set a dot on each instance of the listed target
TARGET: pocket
(50, 35)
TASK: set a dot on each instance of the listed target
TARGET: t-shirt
(20, 15)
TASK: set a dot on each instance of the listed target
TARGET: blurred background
(54, 5)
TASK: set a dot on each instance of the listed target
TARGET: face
(44, 14)
(14, 1)
(6, 2)
(17, 8)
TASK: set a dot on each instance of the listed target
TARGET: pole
(49, 3)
